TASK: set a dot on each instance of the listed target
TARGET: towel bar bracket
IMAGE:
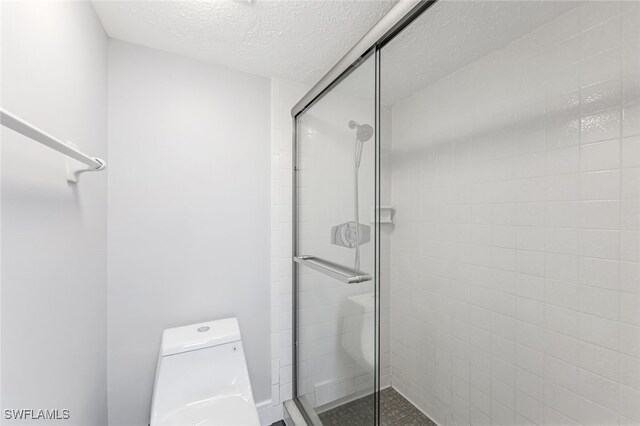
(75, 167)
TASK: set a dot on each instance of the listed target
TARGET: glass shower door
(335, 256)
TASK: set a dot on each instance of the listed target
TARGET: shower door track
(398, 18)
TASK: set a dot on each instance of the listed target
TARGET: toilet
(202, 377)
(358, 329)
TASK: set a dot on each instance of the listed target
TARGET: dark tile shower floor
(395, 410)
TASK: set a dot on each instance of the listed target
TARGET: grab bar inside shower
(334, 270)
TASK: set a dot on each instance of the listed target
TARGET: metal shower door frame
(398, 18)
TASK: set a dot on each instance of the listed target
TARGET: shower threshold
(395, 410)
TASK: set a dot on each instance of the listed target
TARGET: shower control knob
(345, 235)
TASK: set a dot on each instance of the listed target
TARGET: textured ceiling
(302, 39)
(294, 39)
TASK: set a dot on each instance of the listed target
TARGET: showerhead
(364, 131)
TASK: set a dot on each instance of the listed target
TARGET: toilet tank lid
(198, 336)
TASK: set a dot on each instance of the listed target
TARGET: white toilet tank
(202, 377)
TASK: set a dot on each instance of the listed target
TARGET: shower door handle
(334, 270)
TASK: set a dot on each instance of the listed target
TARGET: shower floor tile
(395, 410)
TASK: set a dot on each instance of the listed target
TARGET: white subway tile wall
(515, 279)
(284, 94)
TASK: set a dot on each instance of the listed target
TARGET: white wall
(54, 74)
(188, 214)
(516, 283)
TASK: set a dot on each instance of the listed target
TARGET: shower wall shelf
(27, 129)
(334, 270)
(385, 214)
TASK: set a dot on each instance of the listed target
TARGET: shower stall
(466, 219)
